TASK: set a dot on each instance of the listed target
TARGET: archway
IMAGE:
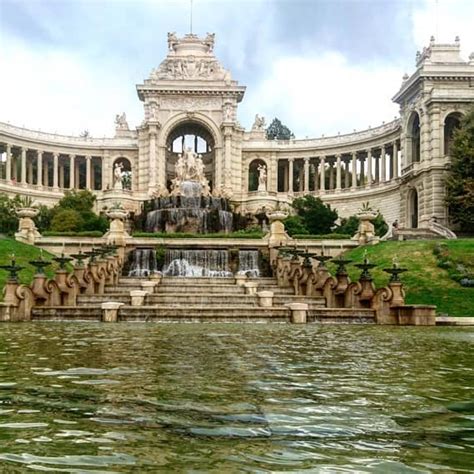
(413, 209)
(451, 123)
(254, 174)
(126, 172)
(199, 139)
(414, 138)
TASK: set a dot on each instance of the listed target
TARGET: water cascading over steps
(248, 263)
(197, 263)
(143, 263)
(189, 211)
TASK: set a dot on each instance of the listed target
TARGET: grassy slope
(425, 283)
(23, 254)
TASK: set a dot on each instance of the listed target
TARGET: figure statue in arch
(118, 175)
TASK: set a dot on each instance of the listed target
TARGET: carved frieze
(191, 103)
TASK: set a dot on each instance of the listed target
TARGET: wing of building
(191, 101)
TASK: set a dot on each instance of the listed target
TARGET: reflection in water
(147, 398)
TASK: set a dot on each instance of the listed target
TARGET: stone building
(190, 100)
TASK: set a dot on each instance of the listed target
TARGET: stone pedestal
(137, 297)
(416, 315)
(299, 313)
(251, 287)
(265, 299)
(110, 311)
(366, 231)
(149, 286)
(240, 280)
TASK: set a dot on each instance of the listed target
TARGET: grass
(23, 254)
(425, 282)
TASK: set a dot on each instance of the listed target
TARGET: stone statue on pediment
(209, 41)
(259, 123)
(172, 40)
(121, 122)
(262, 177)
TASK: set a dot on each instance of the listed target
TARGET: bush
(323, 236)
(87, 233)
(294, 225)
(349, 225)
(317, 217)
(8, 217)
(67, 220)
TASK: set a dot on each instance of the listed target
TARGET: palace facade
(190, 100)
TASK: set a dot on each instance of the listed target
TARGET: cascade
(197, 263)
(142, 262)
(248, 263)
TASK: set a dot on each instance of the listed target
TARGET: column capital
(354, 154)
(8, 147)
(382, 148)
(306, 159)
(39, 152)
(24, 149)
(56, 154)
(72, 155)
(322, 158)
(291, 159)
(337, 155)
(369, 151)
(88, 157)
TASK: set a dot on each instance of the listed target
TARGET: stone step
(203, 314)
(66, 313)
(341, 315)
(190, 299)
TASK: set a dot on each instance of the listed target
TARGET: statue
(227, 113)
(172, 40)
(259, 123)
(121, 122)
(118, 186)
(209, 41)
(190, 161)
(199, 168)
(262, 177)
(180, 168)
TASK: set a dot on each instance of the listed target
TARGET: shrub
(67, 220)
(294, 225)
(317, 217)
(8, 217)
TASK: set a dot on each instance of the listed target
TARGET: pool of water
(224, 398)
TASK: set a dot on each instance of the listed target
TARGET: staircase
(178, 299)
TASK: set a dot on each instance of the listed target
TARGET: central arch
(199, 138)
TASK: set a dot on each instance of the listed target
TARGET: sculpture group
(189, 168)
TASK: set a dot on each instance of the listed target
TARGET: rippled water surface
(224, 398)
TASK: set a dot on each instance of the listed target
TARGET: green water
(225, 398)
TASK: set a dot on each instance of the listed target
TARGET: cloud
(326, 94)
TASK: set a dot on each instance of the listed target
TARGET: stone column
(61, 175)
(39, 165)
(338, 173)
(316, 176)
(369, 167)
(152, 160)
(103, 174)
(395, 160)
(55, 170)
(72, 171)
(346, 175)
(362, 172)
(354, 171)
(46, 172)
(306, 175)
(23, 166)
(88, 172)
(290, 175)
(377, 168)
(8, 175)
(29, 171)
(384, 163)
(331, 176)
(322, 175)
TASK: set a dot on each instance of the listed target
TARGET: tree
(277, 131)
(8, 217)
(67, 220)
(460, 182)
(316, 217)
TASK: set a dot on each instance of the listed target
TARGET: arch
(195, 117)
(198, 138)
(451, 122)
(126, 172)
(253, 173)
(413, 138)
(412, 207)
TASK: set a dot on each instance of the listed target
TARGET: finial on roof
(457, 40)
(405, 77)
(432, 39)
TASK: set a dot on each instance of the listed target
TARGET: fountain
(189, 207)
(248, 263)
(143, 262)
(197, 263)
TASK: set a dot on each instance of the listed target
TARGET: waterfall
(197, 263)
(189, 212)
(143, 262)
(248, 263)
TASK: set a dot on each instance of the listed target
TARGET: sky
(321, 67)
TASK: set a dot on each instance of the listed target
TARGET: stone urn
(117, 234)
(27, 231)
(277, 235)
(366, 231)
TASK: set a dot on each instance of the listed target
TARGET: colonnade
(45, 169)
(332, 173)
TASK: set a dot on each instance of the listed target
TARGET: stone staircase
(201, 300)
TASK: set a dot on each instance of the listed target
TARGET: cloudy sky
(322, 67)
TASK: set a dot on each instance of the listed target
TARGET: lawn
(23, 254)
(425, 282)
